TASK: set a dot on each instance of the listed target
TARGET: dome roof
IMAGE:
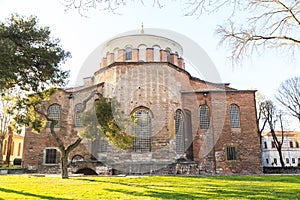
(141, 41)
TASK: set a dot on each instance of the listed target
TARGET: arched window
(156, 53)
(128, 54)
(204, 117)
(54, 112)
(142, 52)
(234, 116)
(168, 54)
(77, 110)
(116, 54)
(179, 131)
(142, 130)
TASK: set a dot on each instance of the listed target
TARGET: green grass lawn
(153, 187)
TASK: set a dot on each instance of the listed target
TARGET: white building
(290, 149)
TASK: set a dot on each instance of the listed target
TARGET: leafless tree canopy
(288, 95)
(268, 23)
(190, 7)
(269, 116)
(272, 24)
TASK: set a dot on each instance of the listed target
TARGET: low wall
(280, 170)
(13, 171)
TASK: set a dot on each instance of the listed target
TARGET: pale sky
(81, 35)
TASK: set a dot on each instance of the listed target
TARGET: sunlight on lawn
(153, 187)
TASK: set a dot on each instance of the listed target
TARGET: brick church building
(185, 125)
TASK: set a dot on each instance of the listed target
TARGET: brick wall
(163, 88)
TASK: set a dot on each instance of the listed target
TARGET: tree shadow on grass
(30, 194)
(262, 178)
(207, 190)
(158, 194)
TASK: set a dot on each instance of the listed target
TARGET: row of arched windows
(204, 116)
(142, 125)
(54, 112)
(142, 54)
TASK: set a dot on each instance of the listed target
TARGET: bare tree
(189, 7)
(4, 124)
(271, 116)
(9, 145)
(288, 95)
(7, 114)
(268, 24)
(272, 24)
(261, 120)
(83, 6)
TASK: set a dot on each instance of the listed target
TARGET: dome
(139, 41)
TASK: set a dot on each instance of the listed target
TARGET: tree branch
(74, 145)
(290, 11)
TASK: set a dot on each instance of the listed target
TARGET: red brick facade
(216, 132)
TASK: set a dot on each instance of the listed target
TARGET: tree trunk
(64, 164)
(9, 149)
(281, 157)
(1, 151)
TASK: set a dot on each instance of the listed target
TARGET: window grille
(129, 54)
(142, 130)
(231, 153)
(179, 131)
(54, 112)
(51, 156)
(103, 145)
(234, 116)
(204, 117)
(78, 110)
(168, 56)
